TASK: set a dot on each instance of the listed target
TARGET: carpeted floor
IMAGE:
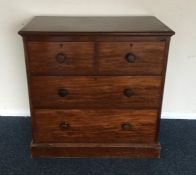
(177, 137)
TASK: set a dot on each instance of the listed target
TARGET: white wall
(180, 15)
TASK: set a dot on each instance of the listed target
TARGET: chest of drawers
(95, 85)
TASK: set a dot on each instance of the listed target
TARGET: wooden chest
(95, 85)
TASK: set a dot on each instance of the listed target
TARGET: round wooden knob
(62, 92)
(126, 126)
(128, 92)
(60, 58)
(64, 125)
(130, 57)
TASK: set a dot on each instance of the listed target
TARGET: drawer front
(95, 91)
(53, 58)
(132, 58)
(95, 126)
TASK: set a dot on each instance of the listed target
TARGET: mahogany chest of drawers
(95, 85)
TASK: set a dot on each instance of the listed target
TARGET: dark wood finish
(147, 58)
(95, 126)
(96, 25)
(76, 57)
(92, 38)
(107, 101)
(122, 150)
(167, 43)
(88, 92)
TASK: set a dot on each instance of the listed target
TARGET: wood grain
(95, 92)
(98, 126)
(42, 57)
(95, 104)
(122, 150)
(61, 25)
(149, 58)
(110, 37)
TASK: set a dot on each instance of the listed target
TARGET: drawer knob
(60, 58)
(126, 126)
(64, 125)
(128, 92)
(63, 92)
(130, 57)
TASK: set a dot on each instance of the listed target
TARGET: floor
(178, 156)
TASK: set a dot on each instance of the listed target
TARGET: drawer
(56, 58)
(100, 126)
(131, 58)
(95, 91)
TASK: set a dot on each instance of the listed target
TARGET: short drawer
(58, 58)
(100, 126)
(95, 91)
(131, 58)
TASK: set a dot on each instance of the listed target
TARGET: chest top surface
(133, 25)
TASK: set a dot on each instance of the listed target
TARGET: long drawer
(99, 126)
(95, 91)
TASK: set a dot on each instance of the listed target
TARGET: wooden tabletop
(143, 25)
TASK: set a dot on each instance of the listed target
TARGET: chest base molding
(118, 150)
